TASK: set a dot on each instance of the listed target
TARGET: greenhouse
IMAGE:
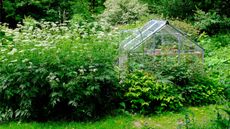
(158, 41)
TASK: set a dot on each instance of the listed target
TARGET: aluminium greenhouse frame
(158, 38)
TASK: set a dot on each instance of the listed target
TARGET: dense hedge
(51, 73)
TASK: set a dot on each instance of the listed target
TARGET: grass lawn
(202, 116)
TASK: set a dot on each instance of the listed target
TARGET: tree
(13, 11)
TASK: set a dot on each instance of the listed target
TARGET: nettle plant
(57, 71)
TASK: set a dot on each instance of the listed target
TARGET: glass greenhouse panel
(158, 41)
(142, 34)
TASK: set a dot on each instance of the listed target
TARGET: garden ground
(200, 117)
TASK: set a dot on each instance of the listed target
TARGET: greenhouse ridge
(159, 38)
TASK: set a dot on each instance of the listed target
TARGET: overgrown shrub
(123, 11)
(211, 22)
(184, 9)
(204, 91)
(145, 94)
(13, 12)
(185, 78)
(177, 8)
(217, 59)
(186, 27)
(181, 71)
(223, 119)
(51, 71)
(196, 87)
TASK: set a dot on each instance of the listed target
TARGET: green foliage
(55, 71)
(211, 22)
(217, 60)
(123, 11)
(187, 122)
(204, 91)
(13, 11)
(177, 8)
(153, 5)
(186, 77)
(197, 118)
(186, 27)
(191, 80)
(145, 94)
(184, 9)
(4, 38)
(218, 65)
(181, 71)
(196, 87)
(223, 119)
(213, 43)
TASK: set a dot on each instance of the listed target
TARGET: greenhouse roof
(146, 31)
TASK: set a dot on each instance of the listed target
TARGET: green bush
(217, 60)
(181, 71)
(186, 27)
(177, 8)
(211, 22)
(204, 91)
(196, 87)
(13, 12)
(123, 11)
(145, 94)
(223, 117)
(154, 5)
(56, 72)
(218, 65)
(213, 43)
(187, 78)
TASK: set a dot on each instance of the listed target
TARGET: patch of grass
(200, 117)
(118, 122)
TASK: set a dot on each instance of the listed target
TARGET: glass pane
(142, 34)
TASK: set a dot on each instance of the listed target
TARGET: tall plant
(53, 71)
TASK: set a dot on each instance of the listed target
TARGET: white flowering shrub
(56, 71)
(123, 11)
